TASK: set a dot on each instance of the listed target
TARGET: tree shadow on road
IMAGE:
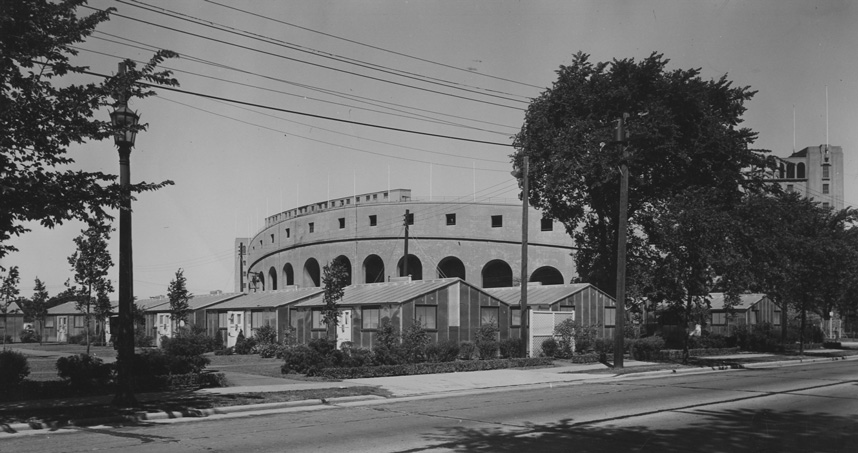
(730, 430)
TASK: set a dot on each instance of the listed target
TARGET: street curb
(138, 417)
(738, 366)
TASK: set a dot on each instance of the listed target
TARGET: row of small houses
(450, 309)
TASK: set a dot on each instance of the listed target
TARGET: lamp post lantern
(125, 120)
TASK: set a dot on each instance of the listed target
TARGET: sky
(367, 62)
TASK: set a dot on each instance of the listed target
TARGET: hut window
(546, 225)
(610, 316)
(489, 316)
(777, 318)
(497, 221)
(369, 318)
(719, 319)
(451, 219)
(373, 220)
(78, 321)
(318, 320)
(49, 322)
(426, 316)
(515, 317)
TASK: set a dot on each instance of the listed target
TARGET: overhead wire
(328, 55)
(292, 134)
(356, 123)
(356, 74)
(353, 97)
(372, 46)
(406, 115)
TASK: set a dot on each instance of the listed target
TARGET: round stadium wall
(478, 241)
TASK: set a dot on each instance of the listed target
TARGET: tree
(8, 295)
(39, 306)
(90, 264)
(335, 277)
(692, 235)
(179, 297)
(42, 114)
(683, 133)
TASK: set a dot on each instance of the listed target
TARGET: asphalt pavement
(398, 386)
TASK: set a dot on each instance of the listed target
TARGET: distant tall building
(815, 172)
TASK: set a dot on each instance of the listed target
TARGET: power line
(404, 114)
(353, 97)
(325, 142)
(307, 62)
(371, 46)
(318, 53)
(295, 112)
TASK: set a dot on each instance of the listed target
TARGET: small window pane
(515, 317)
(318, 320)
(369, 318)
(610, 316)
(426, 316)
(547, 225)
(342, 222)
(373, 220)
(489, 316)
(497, 221)
(451, 219)
(312, 227)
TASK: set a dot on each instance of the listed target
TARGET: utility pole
(524, 277)
(241, 266)
(620, 313)
(405, 258)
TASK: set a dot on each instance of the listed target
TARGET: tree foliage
(39, 305)
(683, 133)
(335, 277)
(179, 296)
(90, 264)
(42, 114)
(8, 294)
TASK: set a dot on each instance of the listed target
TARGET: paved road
(808, 408)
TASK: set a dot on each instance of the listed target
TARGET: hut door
(234, 325)
(164, 327)
(344, 329)
(62, 329)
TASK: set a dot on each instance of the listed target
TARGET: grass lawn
(64, 411)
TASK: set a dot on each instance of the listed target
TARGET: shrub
(77, 339)
(218, 343)
(708, 340)
(643, 348)
(487, 343)
(510, 347)
(566, 343)
(429, 368)
(84, 371)
(244, 345)
(188, 345)
(414, 341)
(302, 359)
(466, 350)
(387, 348)
(550, 347)
(267, 351)
(606, 345)
(30, 336)
(357, 357)
(13, 369)
(266, 335)
(758, 337)
(442, 351)
(141, 340)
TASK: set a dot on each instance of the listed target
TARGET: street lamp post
(124, 118)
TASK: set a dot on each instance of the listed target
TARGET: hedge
(431, 368)
(669, 355)
(589, 357)
(180, 381)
